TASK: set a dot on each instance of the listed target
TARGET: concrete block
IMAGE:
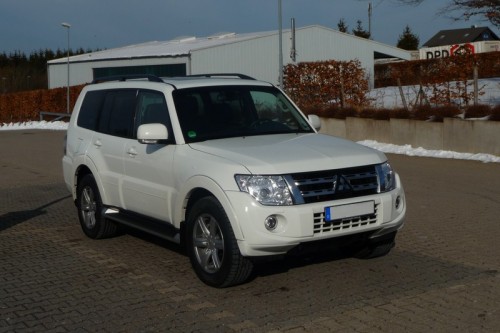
(332, 126)
(403, 132)
(428, 135)
(466, 136)
(458, 135)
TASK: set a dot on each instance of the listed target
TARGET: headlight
(386, 178)
(268, 190)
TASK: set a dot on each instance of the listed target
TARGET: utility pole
(370, 19)
(280, 55)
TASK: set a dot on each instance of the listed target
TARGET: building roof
(180, 46)
(461, 36)
(184, 46)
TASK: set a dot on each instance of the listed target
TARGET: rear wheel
(212, 246)
(90, 210)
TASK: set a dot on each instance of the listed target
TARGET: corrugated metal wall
(259, 57)
(256, 57)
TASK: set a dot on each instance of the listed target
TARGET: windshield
(231, 111)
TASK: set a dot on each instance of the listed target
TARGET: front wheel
(90, 210)
(212, 246)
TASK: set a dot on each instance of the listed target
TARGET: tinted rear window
(91, 107)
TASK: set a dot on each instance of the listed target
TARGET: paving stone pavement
(443, 275)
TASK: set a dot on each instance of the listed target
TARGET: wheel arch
(84, 169)
(199, 187)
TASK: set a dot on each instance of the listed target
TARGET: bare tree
(489, 10)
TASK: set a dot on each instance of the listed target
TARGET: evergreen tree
(360, 31)
(342, 26)
(25, 72)
(408, 40)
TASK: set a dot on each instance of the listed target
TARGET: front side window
(231, 111)
(152, 109)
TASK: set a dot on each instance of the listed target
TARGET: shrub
(343, 113)
(495, 113)
(435, 113)
(442, 112)
(378, 114)
(423, 112)
(326, 82)
(400, 113)
(477, 111)
(311, 109)
(26, 105)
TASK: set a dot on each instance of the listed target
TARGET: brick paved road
(443, 274)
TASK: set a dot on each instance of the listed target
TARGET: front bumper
(306, 223)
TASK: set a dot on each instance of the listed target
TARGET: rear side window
(109, 111)
(117, 116)
(90, 110)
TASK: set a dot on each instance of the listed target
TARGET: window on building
(157, 70)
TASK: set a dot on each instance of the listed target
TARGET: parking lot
(443, 275)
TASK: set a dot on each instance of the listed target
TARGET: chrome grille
(336, 184)
(321, 226)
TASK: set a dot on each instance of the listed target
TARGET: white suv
(227, 166)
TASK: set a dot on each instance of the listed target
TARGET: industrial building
(472, 40)
(252, 54)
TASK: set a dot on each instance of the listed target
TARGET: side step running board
(157, 228)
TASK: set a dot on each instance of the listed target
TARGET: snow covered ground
(384, 147)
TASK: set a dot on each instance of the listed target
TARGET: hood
(291, 153)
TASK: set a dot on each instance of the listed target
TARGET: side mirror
(314, 121)
(152, 133)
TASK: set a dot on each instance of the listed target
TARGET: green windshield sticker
(192, 134)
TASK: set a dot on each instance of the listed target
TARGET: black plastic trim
(146, 224)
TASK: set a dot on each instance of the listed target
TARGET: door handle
(98, 143)
(132, 152)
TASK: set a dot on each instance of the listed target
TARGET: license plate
(350, 210)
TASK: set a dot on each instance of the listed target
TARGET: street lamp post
(67, 26)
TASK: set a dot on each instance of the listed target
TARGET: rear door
(114, 128)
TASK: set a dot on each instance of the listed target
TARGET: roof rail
(151, 78)
(241, 76)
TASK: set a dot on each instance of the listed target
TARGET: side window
(152, 109)
(117, 117)
(90, 110)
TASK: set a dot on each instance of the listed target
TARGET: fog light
(398, 202)
(271, 222)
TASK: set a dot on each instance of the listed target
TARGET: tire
(378, 249)
(212, 247)
(90, 210)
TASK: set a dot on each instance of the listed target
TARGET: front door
(148, 184)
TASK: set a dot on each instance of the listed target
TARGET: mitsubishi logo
(341, 184)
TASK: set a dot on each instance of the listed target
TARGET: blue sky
(29, 25)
